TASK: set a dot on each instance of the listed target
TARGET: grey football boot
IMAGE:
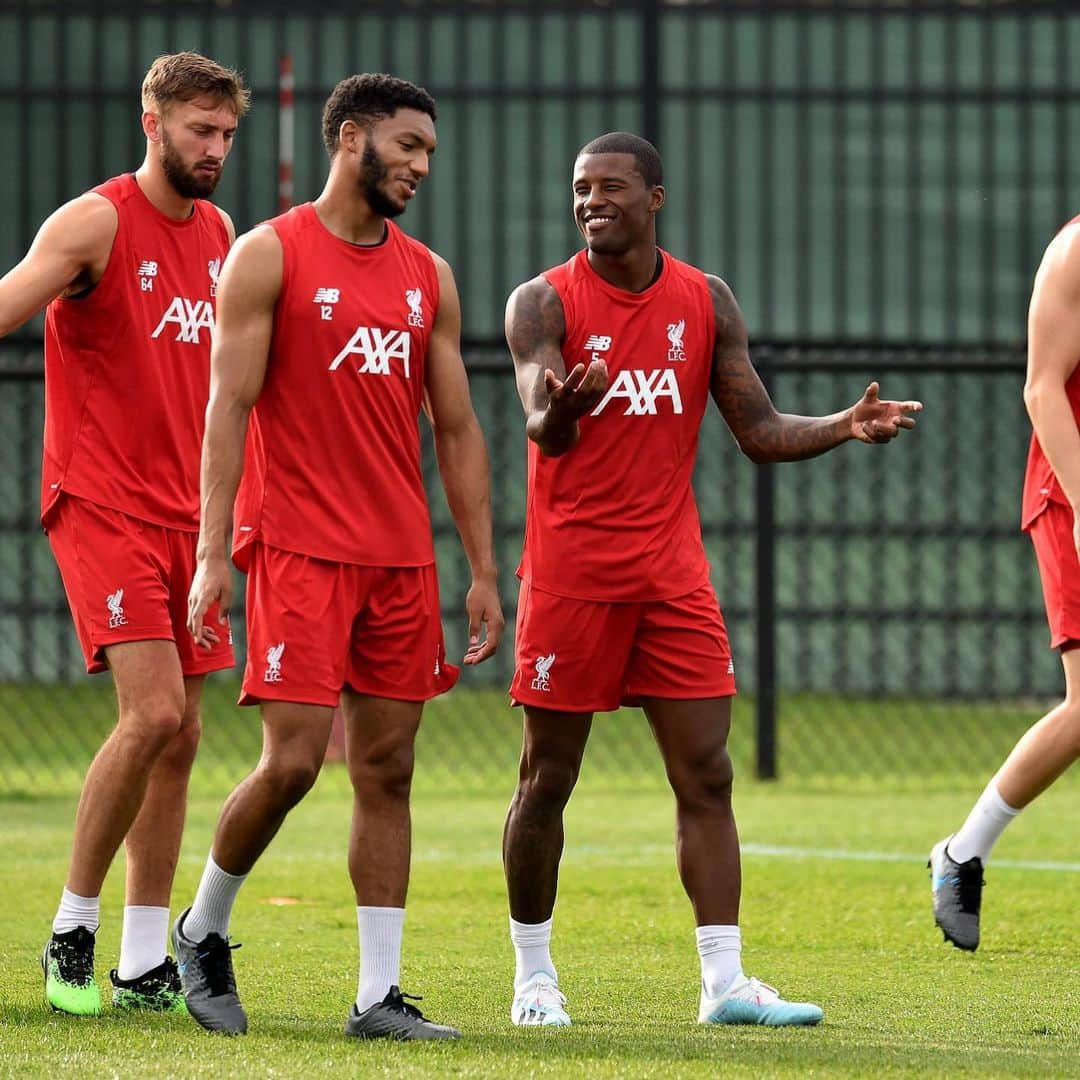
(207, 980)
(394, 1018)
(957, 890)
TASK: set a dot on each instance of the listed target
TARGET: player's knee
(289, 777)
(385, 770)
(547, 780)
(704, 783)
(150, 727)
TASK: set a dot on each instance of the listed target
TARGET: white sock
(984, 825)
(532, 951)
(213, 903)
(76, 911)
(380, 953)
(720, 949)
(143, 943)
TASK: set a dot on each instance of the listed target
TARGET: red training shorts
(128, 580)
(583, 656)
(1052, 534)
(316, 626)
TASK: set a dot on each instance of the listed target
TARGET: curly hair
(623, 142)
(367, 99)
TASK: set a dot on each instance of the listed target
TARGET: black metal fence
(875, 180)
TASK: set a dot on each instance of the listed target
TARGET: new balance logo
(731, 667)
(326, 299)
(414, 298)
(642, 390)
(675, 333)
(190, 316)
(597, 344)
(273, 662)
(378, 347)
(543, 673)
(115, 603)
(147, 272)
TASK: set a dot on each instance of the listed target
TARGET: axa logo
(542, 681)
(273, 662)
(414, 298)
(115, 603)
(190, 317)
(675, 333)
(595, 344)
(378, 348)
(642, 391)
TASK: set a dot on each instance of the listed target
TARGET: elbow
(756, 450)
(1034, 397)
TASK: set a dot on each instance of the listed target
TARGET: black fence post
(650, 70)
(765, 588)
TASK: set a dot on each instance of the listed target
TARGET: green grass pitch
(835, 909)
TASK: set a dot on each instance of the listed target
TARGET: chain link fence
(885, 594)
(876, 182)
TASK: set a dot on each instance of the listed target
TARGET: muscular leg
(379, 737)
(552, 747)
(294, 745)
(153, 841)
(1047, 748)
(692, 736)
(150, 695)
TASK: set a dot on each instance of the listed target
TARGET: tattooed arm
(553, 400)
(765, 435)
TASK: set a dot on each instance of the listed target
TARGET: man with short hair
(129, 273)
(335, 330)
(1049, 514)
(617, 352)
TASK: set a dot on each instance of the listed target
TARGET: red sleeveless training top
(127, 367)
(1040, 484)
(332, 467)
(614, 519)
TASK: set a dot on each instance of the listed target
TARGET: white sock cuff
(75, 911)
(213, 866)
(526, 935)
(993, 796)
(719, 938)
(388, 916)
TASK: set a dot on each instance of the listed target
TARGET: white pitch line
(841, 854)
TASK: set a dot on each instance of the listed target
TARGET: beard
(372, 174)
(184, 180)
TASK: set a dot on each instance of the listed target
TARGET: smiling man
(334, 330)
(617, 352)
(129, 273)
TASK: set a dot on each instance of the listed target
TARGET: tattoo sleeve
(535, 327)
(763, 434)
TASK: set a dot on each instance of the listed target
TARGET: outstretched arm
(69, 254)
(247, 292)
(764, 434)
(553, 400)
(463, 466)
(1053, 354)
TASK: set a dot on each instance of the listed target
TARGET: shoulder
(230, 228)
(535, 305)
(87, 224)
(1058, 276)
(255, 261)
(723, 299)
